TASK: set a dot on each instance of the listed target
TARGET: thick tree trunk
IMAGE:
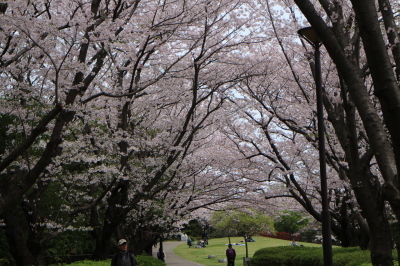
(366, 187)
(21, 252)
(113, 217)
(371, 202)
(143, 240)
(381, 243)
(103, 247)
(348, 236)
(386, 87)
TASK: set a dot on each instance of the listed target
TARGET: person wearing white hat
(123, 257)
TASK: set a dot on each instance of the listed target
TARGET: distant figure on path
(230, 255)
(161, 255)
(123, 257)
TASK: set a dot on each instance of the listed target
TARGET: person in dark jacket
(230, 255)
(161, 255)
(123, 257)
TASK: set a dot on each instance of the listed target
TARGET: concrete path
(171, 258)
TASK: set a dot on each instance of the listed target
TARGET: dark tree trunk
(103, 248)
(372, 204)
(16, 239)
(366, 187)
(113, 217)
(144, 240)
(346, 236)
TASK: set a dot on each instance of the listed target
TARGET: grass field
(217, 248)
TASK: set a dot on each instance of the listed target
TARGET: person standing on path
(230, 255)
(123, 257)
(161, 255)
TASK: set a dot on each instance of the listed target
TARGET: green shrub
(143, 260)
(308, 235)
(285, 256)
(288, 256)
(87, 263)
(358, 256)
(5, 256)
(310, 256)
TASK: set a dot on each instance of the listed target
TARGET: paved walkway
(171, 258)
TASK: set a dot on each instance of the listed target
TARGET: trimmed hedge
(288, 256)
(310, 256)
(358, 256)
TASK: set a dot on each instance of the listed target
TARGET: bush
(286, 256)
(5, 256)
(310, 256)
(308, 236)
(358, 256)
(71, 243)
(90, 263)
(143, 260)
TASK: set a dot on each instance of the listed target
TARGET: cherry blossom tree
(112, 96)
(281, 106)
(147, 110)
(379, 114)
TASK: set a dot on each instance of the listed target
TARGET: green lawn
(217, 247)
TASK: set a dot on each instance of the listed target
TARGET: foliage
(285, 256)
(303, 256)
(277, 131)
(290, 222)
(193, 228)
(4, 253)
(72, 242)
(308, 235)
(142, 260)
(5, 256)
(149, 260)
(87, 263)
(246, 222)
(395, 229)
(129, 92)
(351, 256)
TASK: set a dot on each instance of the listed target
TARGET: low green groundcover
(310, 256)
(143, 260)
